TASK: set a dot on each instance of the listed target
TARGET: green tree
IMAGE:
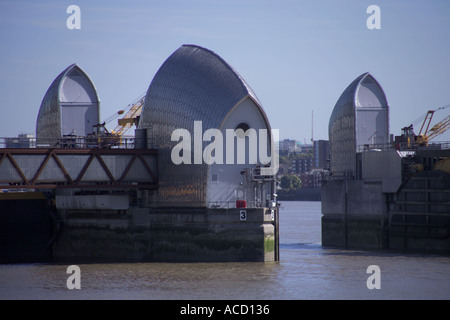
(296, 182)
(290, 182)
(285, 182)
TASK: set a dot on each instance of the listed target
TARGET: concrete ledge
(355, 231)
(144, 234)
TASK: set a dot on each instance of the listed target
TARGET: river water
(306, 270)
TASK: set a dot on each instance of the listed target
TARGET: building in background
(301, 165)
(24, 140)
(288, 146)
(321, 150)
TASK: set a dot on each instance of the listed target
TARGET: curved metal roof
(48, 124)
(193, 84)
(353, 122)
(349, 99)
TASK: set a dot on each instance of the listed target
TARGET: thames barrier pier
(79, 193)
(384, 192)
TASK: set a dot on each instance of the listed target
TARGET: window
(244, 127)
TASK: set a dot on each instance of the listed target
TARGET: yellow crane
(438, 129)
(105, 138)
(130, 118)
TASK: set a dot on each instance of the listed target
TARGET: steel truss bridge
(95, 168)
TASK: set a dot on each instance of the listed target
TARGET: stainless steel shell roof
(359, 116)
(48, 124)
(193, 84)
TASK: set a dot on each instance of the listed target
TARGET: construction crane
(130, 118)
(105, 138)
(426, 134)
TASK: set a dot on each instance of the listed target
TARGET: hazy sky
(298, 56)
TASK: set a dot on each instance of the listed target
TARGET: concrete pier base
(358, 214)
(168, 234)
(355, 231)
(355, 214)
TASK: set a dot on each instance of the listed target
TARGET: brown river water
(306, 270)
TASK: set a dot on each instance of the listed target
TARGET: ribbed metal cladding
(344, 127)
(193, 84)
(48, 124)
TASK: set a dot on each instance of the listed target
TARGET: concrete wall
(420, 219)
(101, 202)
(144, 234)
(385, 166)
(226, 184)
(357, 218)
(355, 231)
(365, 198)
(333, 195)
(416, 219)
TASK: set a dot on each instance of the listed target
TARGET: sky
(297, 55)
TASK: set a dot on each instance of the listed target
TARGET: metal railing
(252, 204)
(404, 146)
(70, 142)
(232, 204)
